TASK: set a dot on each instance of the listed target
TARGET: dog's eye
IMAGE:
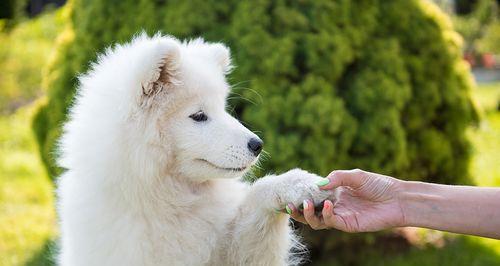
(199, 116)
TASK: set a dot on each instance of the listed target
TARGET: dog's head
(182, 100)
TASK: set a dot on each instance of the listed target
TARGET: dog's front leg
(259, 234)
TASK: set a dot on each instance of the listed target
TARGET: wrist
(419, 203)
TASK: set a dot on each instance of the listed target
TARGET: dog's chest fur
(185, 230)
(191, 232)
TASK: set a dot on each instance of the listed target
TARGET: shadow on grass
(460, 251)
(45, 256)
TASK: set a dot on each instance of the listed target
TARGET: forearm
(458, 209)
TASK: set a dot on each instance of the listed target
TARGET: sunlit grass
(27, 216)
(485, 165)
(487, 96)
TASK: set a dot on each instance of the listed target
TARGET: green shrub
(377, 85)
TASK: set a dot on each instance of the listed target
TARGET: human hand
(364, 202)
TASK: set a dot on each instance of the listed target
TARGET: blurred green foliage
(465, 6)
(328, 84)
(490, 43)
(11, 11)
(7, 8)
(480, 27)
(475, 25)
(24, 50)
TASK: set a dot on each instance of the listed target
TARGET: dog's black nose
(255, 146)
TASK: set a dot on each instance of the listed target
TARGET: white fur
(135, 191)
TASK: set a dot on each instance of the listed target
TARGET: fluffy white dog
(153, 161)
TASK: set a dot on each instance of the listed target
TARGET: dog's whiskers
(240, 96)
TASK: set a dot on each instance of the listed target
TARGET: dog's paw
(298, 185)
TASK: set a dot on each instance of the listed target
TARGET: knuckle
(357, 171)
(335, 173)
(338, 171)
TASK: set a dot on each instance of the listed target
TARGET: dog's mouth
(233, 169)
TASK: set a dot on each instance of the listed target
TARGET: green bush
(377, 85)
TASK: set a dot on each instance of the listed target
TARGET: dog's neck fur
(169, 189)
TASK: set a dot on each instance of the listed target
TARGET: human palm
(364, 202)
(361, 212)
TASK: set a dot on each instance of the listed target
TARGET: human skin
(367, 202)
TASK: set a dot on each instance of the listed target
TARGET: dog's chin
(204, 170)
(237, 169)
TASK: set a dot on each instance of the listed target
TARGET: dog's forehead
(203, 79)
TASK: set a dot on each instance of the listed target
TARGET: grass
(28, 223)
(485, 166)
(460, 251)
(27, 216)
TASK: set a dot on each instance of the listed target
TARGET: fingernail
(305, 204)
(288, 209)
(326, 205)
(323, 182)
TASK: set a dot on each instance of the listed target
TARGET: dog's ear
(164, 70)
(222, 56)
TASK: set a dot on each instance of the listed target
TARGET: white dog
(152, 161)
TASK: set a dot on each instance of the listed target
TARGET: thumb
(350, 178)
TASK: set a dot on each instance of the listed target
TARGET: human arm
(459, 209)
(370, 202)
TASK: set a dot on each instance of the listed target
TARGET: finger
(299, 218)
(327, 211)
(296, 215)
(350, 178)
(330, 219)
(310, 217)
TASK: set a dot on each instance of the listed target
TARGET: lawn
(486, 140)
(27, 216)
(28, 223)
